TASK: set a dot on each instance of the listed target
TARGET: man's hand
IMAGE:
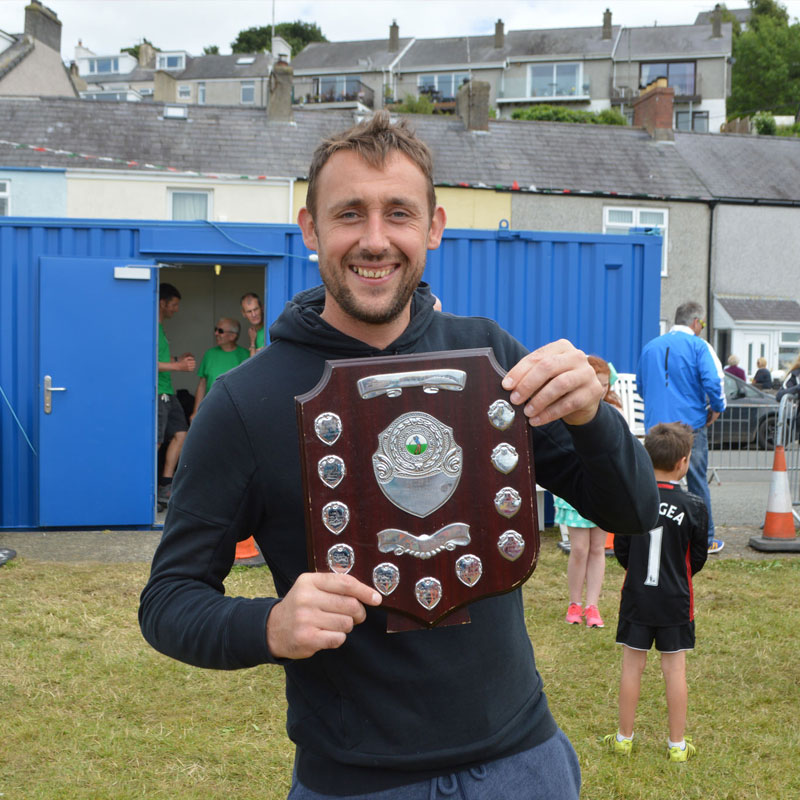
(556, 382)
(186, 363)
(317, 614)
(252, 333)
(712, 417)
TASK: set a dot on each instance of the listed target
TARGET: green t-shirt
(260, 338)
(217, 361)
(164, 378)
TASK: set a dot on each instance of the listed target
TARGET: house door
(756, 345)
(97, 378)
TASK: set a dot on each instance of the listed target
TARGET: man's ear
(306, 223)
(438, 221)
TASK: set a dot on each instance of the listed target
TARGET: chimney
(716, 22)
(147, 55)
(42, 24)
(78, 82)
(652, 110)
(472, 105)
(394, 37)
(607, 24)
(280, 93)
(164, 87)
(499, 35)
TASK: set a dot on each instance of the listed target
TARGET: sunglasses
(221, 330)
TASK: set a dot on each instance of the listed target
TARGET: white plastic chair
(632, 403)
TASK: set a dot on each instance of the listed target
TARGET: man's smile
(366, 272)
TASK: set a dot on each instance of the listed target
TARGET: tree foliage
(550, 113)
(259, 40)
(211, 50)
(134, 49)
(415, 105)
(766, 68)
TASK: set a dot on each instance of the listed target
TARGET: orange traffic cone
(246, 549)
(609, 544)
(779, 533)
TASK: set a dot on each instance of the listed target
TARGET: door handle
(48, 389)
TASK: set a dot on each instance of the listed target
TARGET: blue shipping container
(78, 310)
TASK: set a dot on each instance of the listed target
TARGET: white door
(756, 345)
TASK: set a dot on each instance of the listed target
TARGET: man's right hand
(252, 333)
(186, 363)
(317, 614)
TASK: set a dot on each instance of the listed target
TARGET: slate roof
(371, 54)
(741, 14)
(742, 166)
(758, 309)
(673, 41)
(12, 55)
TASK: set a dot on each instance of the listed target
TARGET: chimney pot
(607, 24)
(499, 35)
(394, 37)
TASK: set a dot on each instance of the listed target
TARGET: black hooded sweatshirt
(382, 710)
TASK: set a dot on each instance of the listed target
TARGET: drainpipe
(712, 205)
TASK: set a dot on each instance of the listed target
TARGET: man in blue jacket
(681, 380)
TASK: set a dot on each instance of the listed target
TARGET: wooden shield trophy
(418, 480)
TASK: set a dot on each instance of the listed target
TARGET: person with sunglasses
(225, 355)
(681, 380)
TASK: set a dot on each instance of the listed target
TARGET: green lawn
(90, 711)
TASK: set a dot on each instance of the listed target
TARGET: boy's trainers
(716, 546)
(593, 618)
(622, 748)
(575, 614)
(676, 754)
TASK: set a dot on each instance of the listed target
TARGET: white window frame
(579, 90)
(636, 212)
(5, 194)
(247, 85)
(184, 91)
(454, 79)
(163, 57)
(201, 93)
(173, 192)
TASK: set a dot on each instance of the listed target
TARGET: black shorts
(171, 418)
(671, 639)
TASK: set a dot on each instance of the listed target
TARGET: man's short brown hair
(374, 140)
(667, 443)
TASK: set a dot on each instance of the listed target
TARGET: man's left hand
(555, 382)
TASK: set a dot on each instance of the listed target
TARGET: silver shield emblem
(504, 458)
(507, 501)
(511, 544)
(331, 470)
(341, 558)
(428, 592)
(501, 414)
(417, 463)
(335, 516)
(385, 578)
(469, 569)
(328, 427)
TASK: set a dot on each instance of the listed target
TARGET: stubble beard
(358, 310)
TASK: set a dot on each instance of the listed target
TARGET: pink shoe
(574, 614)
(593, 618)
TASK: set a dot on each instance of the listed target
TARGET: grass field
(88, 710)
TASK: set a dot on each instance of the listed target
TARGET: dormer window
(244, 60)
(171, 61)
(103, 66)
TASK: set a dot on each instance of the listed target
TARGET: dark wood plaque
(418, 480)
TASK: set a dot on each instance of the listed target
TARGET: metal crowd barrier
(788, 435)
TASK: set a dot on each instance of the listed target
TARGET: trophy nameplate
(418, 481)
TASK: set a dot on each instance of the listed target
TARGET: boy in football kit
(657, 602)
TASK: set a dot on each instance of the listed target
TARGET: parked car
(750, 418)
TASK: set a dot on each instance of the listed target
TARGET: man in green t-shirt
(253, 312)
(172, 425)
(217, 360)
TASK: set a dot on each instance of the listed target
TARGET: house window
(679, 75)
(190, 205)
(184, 92)
(201, 94)
(621, 220)
(174, 61)
(694, 121)
(556, 80)
(788, 349)
(336, 88)
(248, 92)
(5, 198)
(104, 65)
(442, 86)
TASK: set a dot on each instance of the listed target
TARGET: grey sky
(105, 26)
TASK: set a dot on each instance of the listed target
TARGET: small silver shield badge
(417, 463)
(385, 578)
(331, 470)
(511, 544)
(341, 558)
(504, 458)
(501, 414)
(428, 592)
(507, 501)
(328, 427)
(335, 516)
(469, 569)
